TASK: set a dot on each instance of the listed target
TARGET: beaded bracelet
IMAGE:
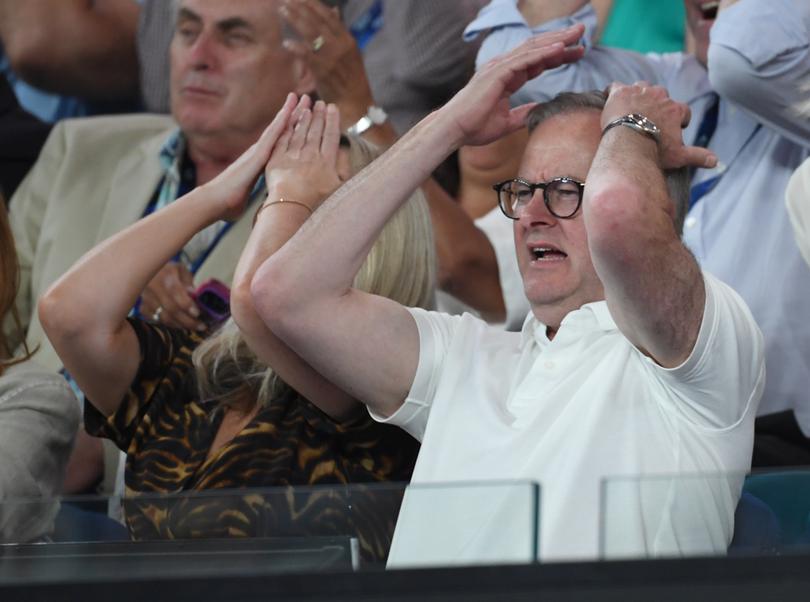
(278, 202)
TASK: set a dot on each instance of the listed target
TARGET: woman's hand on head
(303, 165)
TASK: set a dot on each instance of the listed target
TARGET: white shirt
(758, 59)
(490, 405)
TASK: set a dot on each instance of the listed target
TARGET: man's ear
(304, 77)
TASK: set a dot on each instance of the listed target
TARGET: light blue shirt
(740, 231)
(44, 105)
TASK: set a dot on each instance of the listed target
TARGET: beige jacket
(94, 177)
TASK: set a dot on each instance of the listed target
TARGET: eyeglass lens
(562, 197)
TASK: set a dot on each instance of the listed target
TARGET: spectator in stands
(155, 391)
(632, 362)
(23, 136)
(94, 177)
(98, 175)
(412, 49)
(38, 419)
(757, 53)
(68, 58)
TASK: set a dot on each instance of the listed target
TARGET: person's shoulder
(114, 126)
(466, 330)
(40, 386)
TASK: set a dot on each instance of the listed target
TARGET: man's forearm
(540, 11)
(653, 285)
(75, 47)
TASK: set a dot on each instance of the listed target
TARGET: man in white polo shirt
(633, 363)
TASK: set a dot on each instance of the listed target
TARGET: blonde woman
(38, 418)
(234, 410)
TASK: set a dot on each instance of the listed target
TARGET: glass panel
(267, 531)
(668, 516)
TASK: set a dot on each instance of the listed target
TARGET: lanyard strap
(367, 25)
(701, 189)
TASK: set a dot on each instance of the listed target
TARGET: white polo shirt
(569, 413)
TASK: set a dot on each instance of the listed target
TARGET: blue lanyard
(367, 25)
(193, 266)
(701, 189)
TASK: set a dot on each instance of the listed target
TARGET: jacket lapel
(134, 182)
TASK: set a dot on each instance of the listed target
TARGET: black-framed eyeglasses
(562, 196)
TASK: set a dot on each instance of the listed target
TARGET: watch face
(645, 124)
(377, 115)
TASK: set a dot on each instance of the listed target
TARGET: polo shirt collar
(591, 316)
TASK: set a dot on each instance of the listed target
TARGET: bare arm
(99, 347)
(303, 169)
(653, 285)
(369, 345)
(78, 47)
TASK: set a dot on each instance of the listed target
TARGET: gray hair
(571, 102)
(401, 266)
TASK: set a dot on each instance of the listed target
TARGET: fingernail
(194, 311)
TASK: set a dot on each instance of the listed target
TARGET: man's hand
(332, 54)
(654, 103)
(168, 298)
(481, 109)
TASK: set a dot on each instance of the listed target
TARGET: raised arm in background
(82, 48)
(468, 268)
(764, 69)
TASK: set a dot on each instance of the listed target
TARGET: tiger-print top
(166, 432)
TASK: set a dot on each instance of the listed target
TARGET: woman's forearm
(110, 277)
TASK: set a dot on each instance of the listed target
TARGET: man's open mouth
(708, 10)
(547, 253)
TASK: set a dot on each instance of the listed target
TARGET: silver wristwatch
(374, 116)
(637, 122)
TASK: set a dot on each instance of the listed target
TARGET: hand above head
(303, 165)
(481, 113)
(654, 103)
(332, 54)
(167, 299)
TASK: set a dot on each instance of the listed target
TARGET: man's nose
(536, 212)
(202, 52)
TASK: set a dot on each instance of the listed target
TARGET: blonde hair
(9, 283)
(401, 266)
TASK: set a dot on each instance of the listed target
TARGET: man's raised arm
(653, 285)
(368, 345)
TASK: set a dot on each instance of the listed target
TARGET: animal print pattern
(291, 446)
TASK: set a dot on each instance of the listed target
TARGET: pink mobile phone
(214, 300)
